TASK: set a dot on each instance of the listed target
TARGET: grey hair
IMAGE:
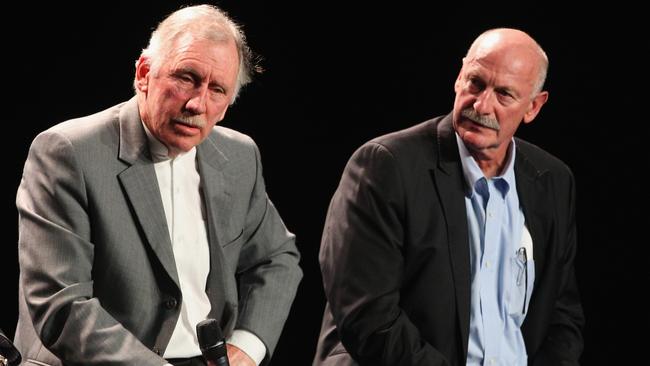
(543, 70)
(543, 66)
(204, 21)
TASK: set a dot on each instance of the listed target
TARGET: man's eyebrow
(187, 70)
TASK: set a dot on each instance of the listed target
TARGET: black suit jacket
(395, 255)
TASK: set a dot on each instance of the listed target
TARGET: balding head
(498, 88)
(513, 44)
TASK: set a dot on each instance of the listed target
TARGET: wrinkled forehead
(511, 65)
(511, 54)
(206, 50)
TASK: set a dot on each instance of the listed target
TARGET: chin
(476, 141)
(185, 148)
(183, 141)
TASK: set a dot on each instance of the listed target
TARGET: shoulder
(541, 160)
(231, 142)
(230, 137)
(227, 145)
(88, 126)
(533, 162)
(92, 131)
(413, 145)
(412, 138)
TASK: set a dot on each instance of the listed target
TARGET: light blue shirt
(501, 277)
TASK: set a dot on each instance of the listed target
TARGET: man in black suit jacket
(404, 245)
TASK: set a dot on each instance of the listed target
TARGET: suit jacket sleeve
(268, 272)
(362, 263)
(56, 254)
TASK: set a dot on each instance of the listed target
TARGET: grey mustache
(485, 121)
(195, 121)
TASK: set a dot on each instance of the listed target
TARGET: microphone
(212, 342)
(9, 355)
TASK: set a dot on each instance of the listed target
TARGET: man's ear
(142, 68)
(535, 106)
(458, 85)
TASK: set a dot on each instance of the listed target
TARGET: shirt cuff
(249, 343)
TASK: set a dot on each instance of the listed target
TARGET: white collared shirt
(179, 183)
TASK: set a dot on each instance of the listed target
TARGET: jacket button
(171, 303)
(156, 350)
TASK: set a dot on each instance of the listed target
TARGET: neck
(491, 163)
(490, 168)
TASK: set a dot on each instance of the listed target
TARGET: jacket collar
(448, 178)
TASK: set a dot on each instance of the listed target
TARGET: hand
(237, 357)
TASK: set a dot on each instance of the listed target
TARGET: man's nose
(197, 102)
(484, 102)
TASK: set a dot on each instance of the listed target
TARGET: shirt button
(171, 303)
(487, 265)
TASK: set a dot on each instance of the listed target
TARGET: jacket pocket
(521, 286)
(237, 238)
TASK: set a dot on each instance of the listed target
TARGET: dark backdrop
(339, 74)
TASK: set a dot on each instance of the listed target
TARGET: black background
(339, 74)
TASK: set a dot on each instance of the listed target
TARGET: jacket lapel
(448, 177)
(215, 183)
(141, 186)
(450, 185)
(533, 197)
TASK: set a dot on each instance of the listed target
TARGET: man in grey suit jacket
(451, 242)
(141, 220)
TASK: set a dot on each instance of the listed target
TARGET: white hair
(204, 21)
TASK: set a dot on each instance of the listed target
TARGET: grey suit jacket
(98, 281)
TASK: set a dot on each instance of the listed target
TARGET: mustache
(485, 121)
(195, 121)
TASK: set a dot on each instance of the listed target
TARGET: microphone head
(211, 341)
(209, 333)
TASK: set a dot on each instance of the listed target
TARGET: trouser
(193, 361)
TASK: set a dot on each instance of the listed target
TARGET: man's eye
(504, 93)
(474, 85)
(186, 78)
(217, 89)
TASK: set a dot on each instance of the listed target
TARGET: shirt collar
(160, 152)
(473, 174)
